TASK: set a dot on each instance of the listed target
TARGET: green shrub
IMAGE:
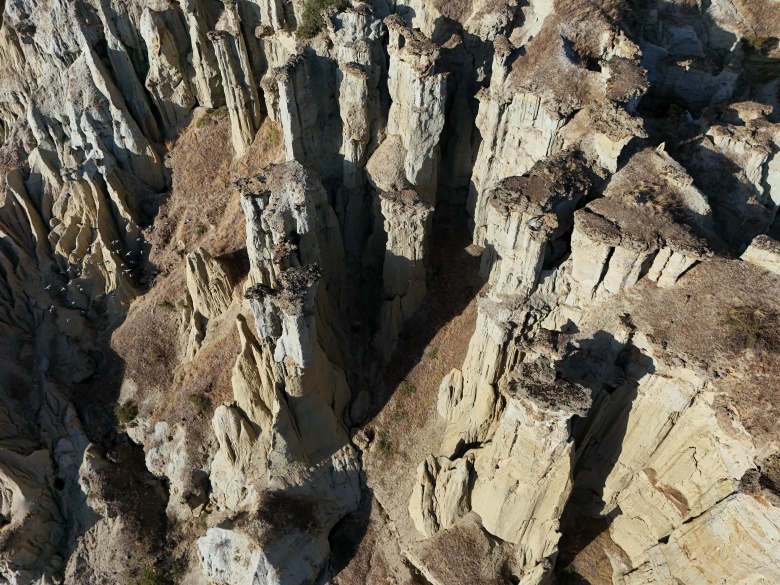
(755, 328)
(312, 22)
(407, 388)
(166, 305)
(433, 353)
(126, 412)
(212, 117)
(201, 403)
(147, 577)
(201, 229)
(177, 571)
(757, 45)
(385, 448)
(274, 137)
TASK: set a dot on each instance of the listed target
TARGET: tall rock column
(528, 216)
(518, 128)
(167, 80)
(524, 476)
(357, 38)
(408, 223)
(241, 95)
(285, 442)
(409, 156)
(205, 83)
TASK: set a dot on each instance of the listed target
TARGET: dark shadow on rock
(348, 533)
(453, 282)
(611, 370)
(121, 480)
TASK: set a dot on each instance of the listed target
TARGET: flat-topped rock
(295, 292)
(549, 183)
(539, 382)
(405, 198)
(650, 204)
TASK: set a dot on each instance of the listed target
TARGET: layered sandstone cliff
(367, 292)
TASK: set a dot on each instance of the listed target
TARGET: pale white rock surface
(167, 80)
(209, 284)
(408, 221)
(416, 117)
(763, 252)
(241, 97)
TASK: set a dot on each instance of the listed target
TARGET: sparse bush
(755, 328)
(177, 570)
(384, 446)
(279, 508)
(153, 358)
(407, 388)
(126, 412)
(433, 353)
(274, 137)
(182, 304)
(201, 403)
(201, 229)
(757, 45)
(312, 22)
(212, 117)
(147, 577)
(167, 305)
(398, 413)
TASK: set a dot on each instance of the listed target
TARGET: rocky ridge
(444, 292)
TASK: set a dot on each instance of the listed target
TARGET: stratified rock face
(303, 292)
(740, 516)
(651, 222)
(241, 95)
(407, 222)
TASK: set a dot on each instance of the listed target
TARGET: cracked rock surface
(419, 292)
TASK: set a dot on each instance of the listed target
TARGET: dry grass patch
(201, 210)
(754, 328)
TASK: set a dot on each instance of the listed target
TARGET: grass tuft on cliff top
(312, 21)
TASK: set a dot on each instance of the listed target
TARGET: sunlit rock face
(365, 292)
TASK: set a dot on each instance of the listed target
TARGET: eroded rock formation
(366, 292)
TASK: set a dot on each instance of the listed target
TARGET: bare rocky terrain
(417, 293)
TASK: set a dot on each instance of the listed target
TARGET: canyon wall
(366, 292)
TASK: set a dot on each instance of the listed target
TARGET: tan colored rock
(205, 83)
(167, 80)
(763, 252)
(210, 286)
(441, 494)
(699, 462)
(633, 232)
(702, 551)
(237, 79)
(524, 476)
(524, 216)
(408, 222)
